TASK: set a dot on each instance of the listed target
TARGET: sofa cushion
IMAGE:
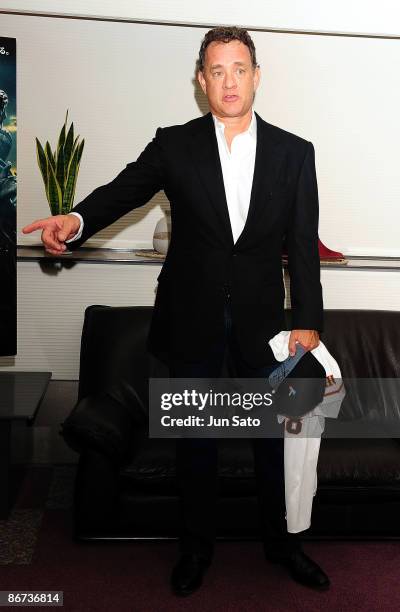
(359, 462)
(348, 463)
(101, 423)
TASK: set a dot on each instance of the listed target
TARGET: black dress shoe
(187, 575)
(303, 569)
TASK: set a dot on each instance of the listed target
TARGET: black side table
(21, 394)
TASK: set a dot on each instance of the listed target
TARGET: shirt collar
(251, 130)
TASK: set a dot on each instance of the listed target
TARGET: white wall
(122, 80)
(355, 16)
(51, 305)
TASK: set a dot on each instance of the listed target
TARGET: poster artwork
(8, 197)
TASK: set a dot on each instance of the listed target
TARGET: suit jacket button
(226, 290)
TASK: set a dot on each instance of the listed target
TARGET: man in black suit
(238, 188)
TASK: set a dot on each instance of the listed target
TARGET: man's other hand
(55, 230)
(309, 338)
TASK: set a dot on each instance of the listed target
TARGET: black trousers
(197, 461)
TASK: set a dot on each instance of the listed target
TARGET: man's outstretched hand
(309, 338)
(55, 230)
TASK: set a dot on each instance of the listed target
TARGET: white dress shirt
(237, 170)
(79, 234)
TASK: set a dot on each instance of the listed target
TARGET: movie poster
(8, 197)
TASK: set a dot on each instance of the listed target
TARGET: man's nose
(229, 81)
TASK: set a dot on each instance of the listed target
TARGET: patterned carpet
(18, 536)
(40, 489)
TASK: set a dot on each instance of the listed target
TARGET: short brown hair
(226, 34)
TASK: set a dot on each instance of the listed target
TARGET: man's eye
(216, 74)
(241, 71)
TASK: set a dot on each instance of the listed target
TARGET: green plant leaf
(74, 146)
(69, 144)
(54, 192)
(61, 139)
(60, 168)
(70, 184)
(61, 142)
(41, 160)
(60, 147)
(81, 150)
(50, 156)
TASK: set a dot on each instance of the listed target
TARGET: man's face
(228, 79)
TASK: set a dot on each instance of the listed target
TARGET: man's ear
(202, 81)
(257, 76)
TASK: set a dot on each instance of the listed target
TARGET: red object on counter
(324, 252)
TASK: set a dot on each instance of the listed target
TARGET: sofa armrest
(104, 424)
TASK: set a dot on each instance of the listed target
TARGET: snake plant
(60, 169)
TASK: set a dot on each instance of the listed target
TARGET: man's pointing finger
(33, 226)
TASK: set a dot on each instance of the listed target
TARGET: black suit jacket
(202, 258)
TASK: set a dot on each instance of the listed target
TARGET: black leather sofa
(126, 482)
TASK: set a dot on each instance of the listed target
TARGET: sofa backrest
(114, 356)
(365, 343)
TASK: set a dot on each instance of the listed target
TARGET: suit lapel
(267, 163)
(205, 155)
